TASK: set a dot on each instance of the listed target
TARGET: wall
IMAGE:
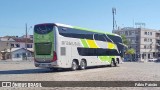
(19, 55)
(148, 44)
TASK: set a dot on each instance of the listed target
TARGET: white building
(145, 41)
(18, 54)
(16, 48)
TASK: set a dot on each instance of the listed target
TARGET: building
(146, 42)
(9, 45)
(28, 36)
(5, 43)
(18, 54)
(22, 43)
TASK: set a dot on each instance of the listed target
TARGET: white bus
(64, 46)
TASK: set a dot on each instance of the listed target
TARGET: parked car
(152, 59)
(158, 60)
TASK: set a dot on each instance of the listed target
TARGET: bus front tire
(83, 64)
(113, 63)
(74, 65)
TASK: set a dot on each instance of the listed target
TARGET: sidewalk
(9, 60)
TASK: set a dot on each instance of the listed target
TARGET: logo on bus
(70, 43)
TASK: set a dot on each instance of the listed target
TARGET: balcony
(158, 37)
(158, 44)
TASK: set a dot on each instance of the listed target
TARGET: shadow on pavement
(25, 71)
(44, 70)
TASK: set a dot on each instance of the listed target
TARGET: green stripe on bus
(110, 34)
(91, 30)
(106, 58)
(84, 43)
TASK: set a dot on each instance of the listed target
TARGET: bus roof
(80, 28)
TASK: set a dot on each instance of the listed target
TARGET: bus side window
(63, 51)
(99, 37)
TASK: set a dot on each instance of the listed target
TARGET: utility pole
(26, 41)
(114, 13)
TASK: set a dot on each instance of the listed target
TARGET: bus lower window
(43, 48)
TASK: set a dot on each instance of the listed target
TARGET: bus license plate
(44, 65)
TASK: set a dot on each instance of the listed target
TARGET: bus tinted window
(75, 33)
(101, 37)
(115, 38)
(43, 48)
(97, 52)
(43, 29)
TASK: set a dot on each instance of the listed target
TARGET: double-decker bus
(65, 46)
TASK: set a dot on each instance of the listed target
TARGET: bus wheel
(74, 65)
(83, 64)
(113, 63)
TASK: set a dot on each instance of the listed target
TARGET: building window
(145, 33)
(145, 39)
(131, 40)
(142, 56)
(29, 45)
(17, 45)
(144, 46)
(130, 32)
(12, 45)
(17, 56)
(150, 40)
(154, 54)
(126, 33)
(29, 54)
(150, 33)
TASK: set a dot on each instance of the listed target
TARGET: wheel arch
(84, 60)
(76, 60)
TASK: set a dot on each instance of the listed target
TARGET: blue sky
(93, 14)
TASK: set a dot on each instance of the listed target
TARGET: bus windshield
(44, 39)
(43, 28)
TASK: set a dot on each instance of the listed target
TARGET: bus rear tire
(74, 65)
(83, 65)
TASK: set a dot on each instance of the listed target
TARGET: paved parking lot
(128, 71)
(26, 71)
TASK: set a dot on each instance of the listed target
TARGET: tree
(124, 39)
(125, 42)
(128, 51)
